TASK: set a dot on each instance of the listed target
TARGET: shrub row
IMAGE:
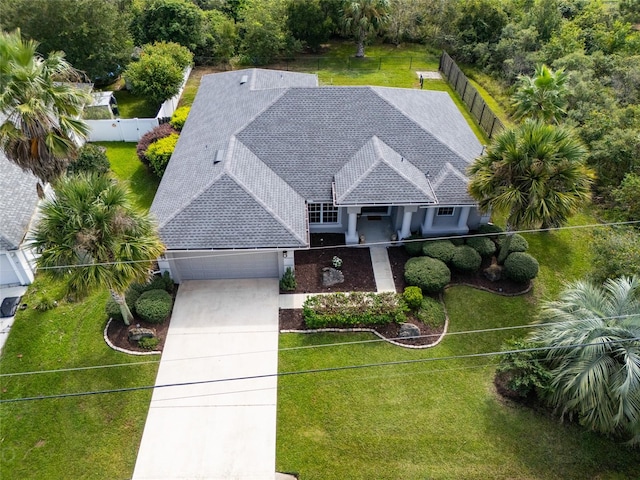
(430, 274)
(350, 309)
(159, 153)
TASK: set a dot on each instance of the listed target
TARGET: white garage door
(212, 266)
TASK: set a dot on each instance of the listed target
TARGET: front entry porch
(374, 229)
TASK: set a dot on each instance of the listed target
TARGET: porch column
(405, 231)
(351, 237)
(462, 220)
(428, 219)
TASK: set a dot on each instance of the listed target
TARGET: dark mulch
(118, 334)
(398, 257)
(356, 267)
(291, 319)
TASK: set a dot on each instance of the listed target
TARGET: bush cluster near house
(179, 117)
(353, 309)
(430, 274)
(153, 305)
(91, 159)
(150, 138)
(159, 153)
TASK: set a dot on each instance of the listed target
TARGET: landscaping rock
(137, 333)
(493, 273)
(408, 330)
(331, 276)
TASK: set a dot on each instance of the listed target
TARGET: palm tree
(364, 17)
(593, 333)
(543, 96)
(533, 174)
(40, 125)
(91, 235)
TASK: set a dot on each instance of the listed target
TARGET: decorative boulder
(136, 333)
(409, 330)
(331, 276)
(493, 272)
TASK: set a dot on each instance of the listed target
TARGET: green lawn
(131, 106)
(126, 165)
(437, 419)
(92, 437)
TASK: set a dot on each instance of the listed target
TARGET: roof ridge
(253, 194)
(368, 170)
(410, 118)
(444, 172)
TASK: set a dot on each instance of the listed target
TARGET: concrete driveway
(220, 329)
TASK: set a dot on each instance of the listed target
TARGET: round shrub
(431, 312)
(179, 117)
(520, 267)
(154, 306)
(412, 297)
(490, 228)
(161, 131)
(160, 152)
(518, 243)
(430, 274)
(466, 259)
(91, 159)
(439, 249)
(413, 246)
(113, 309)
(483, 245)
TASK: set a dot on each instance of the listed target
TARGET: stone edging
(123, 350)
(371, 330)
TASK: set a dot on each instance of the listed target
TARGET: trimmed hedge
(412, 297)
(457, 241)
(431, 312)
(161, 131)
(179, 117)
(521, 267)
(439, 249)
(489, 228)
(351, 309)
(483, 245)
(412, 246)
(159, 153)
(154, 306)
(430, 274)
(466, 259)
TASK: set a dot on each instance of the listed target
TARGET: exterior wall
(339, 227)
(15, 269)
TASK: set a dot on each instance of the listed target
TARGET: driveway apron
(220, 329)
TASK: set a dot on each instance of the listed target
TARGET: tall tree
(40, 126)
(543, 96)
(179, 21)
(362, 18)
(93, 34)
(593, 333)
(533, 174)
(308, 22)
(92, 236)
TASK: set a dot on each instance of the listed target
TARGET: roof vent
(219, 157)
(244, 79)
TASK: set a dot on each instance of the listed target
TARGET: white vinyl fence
(132, 129)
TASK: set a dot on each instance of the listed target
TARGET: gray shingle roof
(18, 201)
(285, 140)
(378, 172)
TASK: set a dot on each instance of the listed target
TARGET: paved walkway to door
(220, 329)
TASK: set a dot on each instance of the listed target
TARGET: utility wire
(307, 347)
(323, 345)
(426, 239)
(311, 371)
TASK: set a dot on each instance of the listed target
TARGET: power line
(425, 239)
(323, 345)
(311, 371)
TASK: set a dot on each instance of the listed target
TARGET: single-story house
(267, 158)
(18, 207)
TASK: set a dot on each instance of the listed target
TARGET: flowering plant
(336, 262)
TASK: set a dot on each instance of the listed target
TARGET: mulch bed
(118, 334)
(356, 267)
(291, 319)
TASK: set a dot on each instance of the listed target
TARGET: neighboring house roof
(271, 140)
(18, 201)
